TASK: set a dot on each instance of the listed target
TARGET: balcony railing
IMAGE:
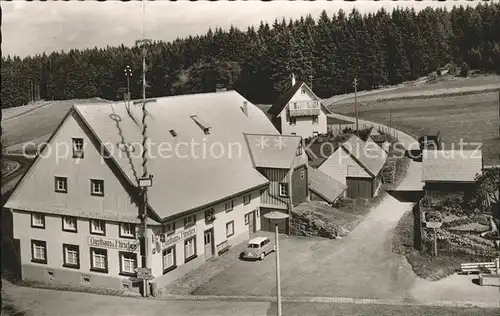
(304, 108)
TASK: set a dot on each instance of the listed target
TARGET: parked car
(258, 248)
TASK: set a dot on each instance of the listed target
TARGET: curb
(330, 300)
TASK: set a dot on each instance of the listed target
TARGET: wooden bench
(477, 267)
(223, 247)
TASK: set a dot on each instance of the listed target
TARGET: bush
(464, 70)
(433, 216)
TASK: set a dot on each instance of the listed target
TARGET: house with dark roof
(448, 173)
(298, 111)
(281, 160)
(358, 165)
(75, 211)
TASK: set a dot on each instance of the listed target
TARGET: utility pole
(356, 104)
(146, 180)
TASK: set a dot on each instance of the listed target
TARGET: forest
(379, 49)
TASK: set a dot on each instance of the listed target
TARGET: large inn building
(224, 165)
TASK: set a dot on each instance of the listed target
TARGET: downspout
(290, 199)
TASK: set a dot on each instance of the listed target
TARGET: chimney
(293, 80)
(245, 108)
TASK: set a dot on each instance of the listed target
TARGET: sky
(35, 27)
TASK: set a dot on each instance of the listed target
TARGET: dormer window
(202, 124)
(77, 147)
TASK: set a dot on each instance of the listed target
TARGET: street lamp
(277, 218)
(128, 74)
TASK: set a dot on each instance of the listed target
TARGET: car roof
(257, 240)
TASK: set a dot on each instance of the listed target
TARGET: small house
(358, 165)
(298, 111)
(283, 162)
(450, 172)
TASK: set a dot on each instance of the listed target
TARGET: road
(42, 302)
(9, 181)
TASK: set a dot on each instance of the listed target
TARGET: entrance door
(209, 247)
(251, 222)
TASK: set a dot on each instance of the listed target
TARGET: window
(169, 228)
(71, 255)
(69, 224)
(97, 227)
(209, 214)
(202, 124)
(169, 259)
(38, 251)
(230, 229)
(303, 91)
(189, 249)
(128, 263)
(77, 147)
(247, 198)
(189, 220)
(38, 220)
(127, 230)
(247, 218)
(283, 189)
(99, 260)
(97, 187)
(61, 184)
(228, 206)
(315, 119)
(293, 121)
(302, 175)
(299, 150)
(294, 134)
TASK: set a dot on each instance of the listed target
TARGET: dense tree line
(378, 48)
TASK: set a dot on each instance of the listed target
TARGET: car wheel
(262, 256)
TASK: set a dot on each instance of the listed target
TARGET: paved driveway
(362, 265)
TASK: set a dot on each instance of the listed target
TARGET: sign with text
(173, 239)
(113, 243)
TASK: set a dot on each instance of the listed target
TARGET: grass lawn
(447, 85)
(473, 118)
(37, 124)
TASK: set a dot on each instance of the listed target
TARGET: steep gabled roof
(272, 151)
(284, 98)
(216, 167)
(368, 155)
(325, 186)
(451, 165)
